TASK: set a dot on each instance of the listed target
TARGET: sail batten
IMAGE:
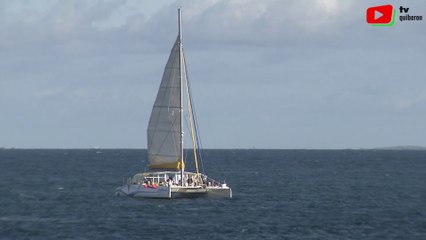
(164, 128)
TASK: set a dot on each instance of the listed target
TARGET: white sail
(164, 129)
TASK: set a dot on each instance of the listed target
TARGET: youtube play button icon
(380, 14)
(377, 15)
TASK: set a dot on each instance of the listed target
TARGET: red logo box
(380, 14)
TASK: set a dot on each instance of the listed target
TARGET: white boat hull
(219, 192)
(139, 191)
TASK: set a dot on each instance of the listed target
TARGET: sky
(290, 74)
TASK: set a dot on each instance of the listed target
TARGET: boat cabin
(169, 178)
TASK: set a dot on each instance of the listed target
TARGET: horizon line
(405, 147)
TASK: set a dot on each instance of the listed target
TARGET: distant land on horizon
(407, 147)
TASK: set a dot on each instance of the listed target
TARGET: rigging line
(193, 107)
(185, 117)
(201, 150)
(187, 127)
(191, 120)
(198, 138)
(192, 114)
(197, 134)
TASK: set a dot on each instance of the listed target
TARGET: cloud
(300, 69)
(250, 21)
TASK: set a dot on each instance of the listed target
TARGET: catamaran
(166, 176)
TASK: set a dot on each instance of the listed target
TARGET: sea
(277, 194)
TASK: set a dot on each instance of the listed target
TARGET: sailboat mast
(181, 92)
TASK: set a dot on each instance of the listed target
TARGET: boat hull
(139, 191)
(219, 192)
(188, 192)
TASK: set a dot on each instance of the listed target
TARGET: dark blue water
(278, 194)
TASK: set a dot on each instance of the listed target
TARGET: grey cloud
(289, 74)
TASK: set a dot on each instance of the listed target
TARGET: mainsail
(165, 128)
